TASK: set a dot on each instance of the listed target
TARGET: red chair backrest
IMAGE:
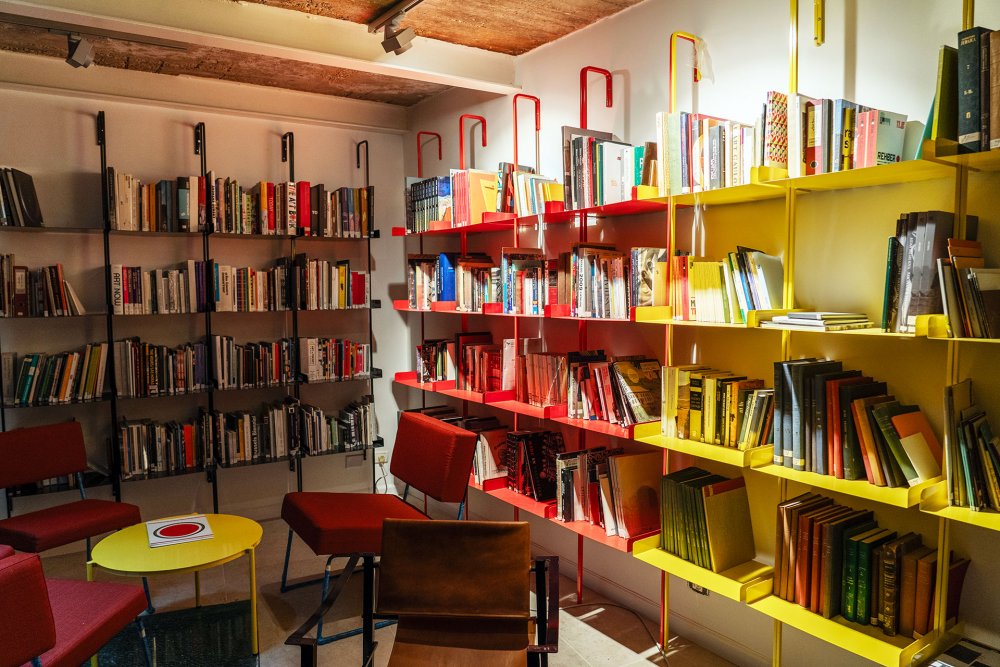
(433, 457)
(27, 629)
(40, 452)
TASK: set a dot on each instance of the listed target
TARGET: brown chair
(429, 455)
(55, 450)
(461, 592)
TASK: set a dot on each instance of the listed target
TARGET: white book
(117, 305)
(178, 530)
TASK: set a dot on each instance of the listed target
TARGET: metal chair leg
(322, 597)
(150, 609)
(284, 570)
(368, 610)
(145, 644)
(88, 549)
(461, 509)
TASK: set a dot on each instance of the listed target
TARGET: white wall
(881, 54)
(48, 131)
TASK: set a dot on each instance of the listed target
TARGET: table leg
(197, 588)
(90, 570)
(253, 601)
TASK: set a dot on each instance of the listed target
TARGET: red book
(271, 222)
(202, 203)
(834, 448)
(303, 209)
(189, 444)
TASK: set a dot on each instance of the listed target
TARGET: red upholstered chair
(429, 455)
(37, 453)
(57, 623)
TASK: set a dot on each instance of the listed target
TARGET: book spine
(969, 98)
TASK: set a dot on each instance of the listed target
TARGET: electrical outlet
(381, 459)
(700, 590)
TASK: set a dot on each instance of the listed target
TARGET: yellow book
(727, 520)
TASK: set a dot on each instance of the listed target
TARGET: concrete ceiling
(314, 46)
(504, 26)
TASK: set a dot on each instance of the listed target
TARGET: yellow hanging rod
(695, 40)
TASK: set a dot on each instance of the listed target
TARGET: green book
(884, 412)
(944, 117)
(849, 595)
(865, 578)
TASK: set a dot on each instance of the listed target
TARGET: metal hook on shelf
(357, 151)
(288, 153)
(461, 135)
(538, 128)
(695, 41)
(609, 96)
(420, 159)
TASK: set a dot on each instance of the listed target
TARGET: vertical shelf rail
(115, 455)
(609, 91)
(201, 150)
(368, 271)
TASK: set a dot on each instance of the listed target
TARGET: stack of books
(41, 292)
(545, 380)
(840, 422)
(725, 291)
(648, 277)
(699, 152)
(837, 561)
(18, 200)
(717, 407)
(593, 279)
(705, 519)
(246, 289)
(351, 429)
(530, 460)
(600, 170)
(52, 379)
(145, 369)
(973, 452)
(818, 321)
(524, 281)
(427, 200)
(163, 291)
(330, 285)
(966, 108)
(244, 365)
(622, 391)
(477, 282)
(422, 285)
(473, 193)
(970, 292)
(333, 359)
(150, 447)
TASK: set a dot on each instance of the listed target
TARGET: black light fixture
(80, 51)
(396, 41)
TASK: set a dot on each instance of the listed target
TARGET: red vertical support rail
(461, 136)
(538, 127)
(420, 148)
(583, 91)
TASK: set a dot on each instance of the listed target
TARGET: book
(635, 485)
(178, 530)
(969, 84)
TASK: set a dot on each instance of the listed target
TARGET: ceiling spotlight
(81, 51)
(396, 40)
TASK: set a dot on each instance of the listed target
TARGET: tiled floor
(589, 636)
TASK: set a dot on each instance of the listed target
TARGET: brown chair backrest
(40, 452)
(433, 456)
(455, 569)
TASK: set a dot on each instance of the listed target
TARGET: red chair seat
(53, 527)
(343, 523)
(87, 615)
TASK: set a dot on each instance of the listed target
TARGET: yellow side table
(127, 553)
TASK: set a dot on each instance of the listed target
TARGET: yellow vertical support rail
(968, 14)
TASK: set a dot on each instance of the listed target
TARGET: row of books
(835, 560)
(42, 292)
(319, 285)
(610, 488)
(18, 200)
(195, 203)
(724, 291)
(349, 429)
(545, 379)
(333, 359)
(705, 519)
(972, 452)
(598, 169)
(700, 152)
(51, 379)
(970, 292)
(717, 407)
(330, 285)
(967, 104)
(149, 447)
(180, 290)
(839, 422)
(622, 391)
(244, 365)
(147, 369)
(813, 320)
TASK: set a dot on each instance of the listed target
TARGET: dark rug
(213, 635)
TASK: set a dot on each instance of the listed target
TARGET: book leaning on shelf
(621, 391)
(163, 291)
(839, 422)
(52, 379)
(195, 203)
(705, 519)
(145, 369)
(545, 380)
(972, 453)
(716, 407)
(40, 292)
(970, 291)
(18, 200)
(725, 291)
(530, 460)
(837, 561)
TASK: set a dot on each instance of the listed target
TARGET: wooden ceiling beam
(256, 29)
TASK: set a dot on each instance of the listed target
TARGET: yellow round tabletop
(128, 552)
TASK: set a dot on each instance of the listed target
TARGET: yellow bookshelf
(859, 488)
(728, 455)
(935, 501)
(910, 171)
(739, 194)
(747, 582)
(864, 640)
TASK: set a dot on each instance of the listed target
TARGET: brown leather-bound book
(816, 568)
(804, 545)
(923, 606)
(956, 578)
(791, 529)
(892, 567)
(994, 92)
(782, 534)
(908, 589)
